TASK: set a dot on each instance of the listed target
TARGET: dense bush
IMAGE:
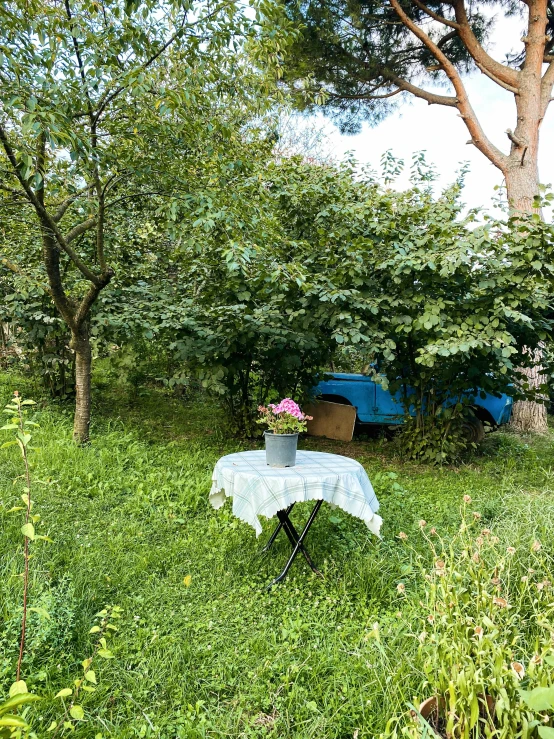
(440, 307)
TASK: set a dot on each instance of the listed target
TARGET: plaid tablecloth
(259, 490)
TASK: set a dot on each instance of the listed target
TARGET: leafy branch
(74, 711)
(19, 423)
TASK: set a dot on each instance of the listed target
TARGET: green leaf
(24, 438)
(28, 530)
(90, 676)
(94, 630)
(105, 653)
(41, 611)
(18, 688)
(20, 699)
(539, 699)
(13, 722)
(64, 693)
(545, 732)
(77, 712)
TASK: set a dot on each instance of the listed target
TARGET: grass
(130, 520)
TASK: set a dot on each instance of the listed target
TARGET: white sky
(442, 134)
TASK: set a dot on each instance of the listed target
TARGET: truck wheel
(473, 429)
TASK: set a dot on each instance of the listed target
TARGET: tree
(360, 55)
(87, 92)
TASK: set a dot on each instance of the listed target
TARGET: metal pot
(280, 449)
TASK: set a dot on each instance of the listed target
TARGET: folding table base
(297, 540)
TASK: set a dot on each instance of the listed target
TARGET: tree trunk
(522, 185)
(528, 415)
(80, 343)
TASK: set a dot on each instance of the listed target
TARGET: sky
(442, 134)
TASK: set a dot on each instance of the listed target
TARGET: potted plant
(284, 422)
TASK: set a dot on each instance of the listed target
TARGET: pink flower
(287, 405)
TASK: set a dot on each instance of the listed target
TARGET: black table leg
(298, 544)
(292, 534)
(293, 537)
(279, 527)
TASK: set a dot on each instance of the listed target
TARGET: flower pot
(280, 449)
(433, 710)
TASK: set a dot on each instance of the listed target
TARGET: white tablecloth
(259, 490)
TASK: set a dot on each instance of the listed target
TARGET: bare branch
(43, 214)
(89, 298)
(547, 84)
(497, 80)
(431, 97)
(386, 95)
(497, 157)
(435, 16)
(447, 37)
(520, 143)
(536, 39)
(79, 59)
(80, 229)
(62, 209)
(500, 71)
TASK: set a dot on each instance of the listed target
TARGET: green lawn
(130, 520)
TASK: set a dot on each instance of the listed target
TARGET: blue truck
(375, 405)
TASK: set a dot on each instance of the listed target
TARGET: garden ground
(202, 649)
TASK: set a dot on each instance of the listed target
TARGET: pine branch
(435, 16)
(480, 140)
(506, 74)
(431, 97)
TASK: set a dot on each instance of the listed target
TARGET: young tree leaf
(28, 530)
(64, 693)
(14, 722)
(77, 713)
(18, 688)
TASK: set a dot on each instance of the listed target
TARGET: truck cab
(375, 405)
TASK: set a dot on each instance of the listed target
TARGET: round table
(259, 490)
